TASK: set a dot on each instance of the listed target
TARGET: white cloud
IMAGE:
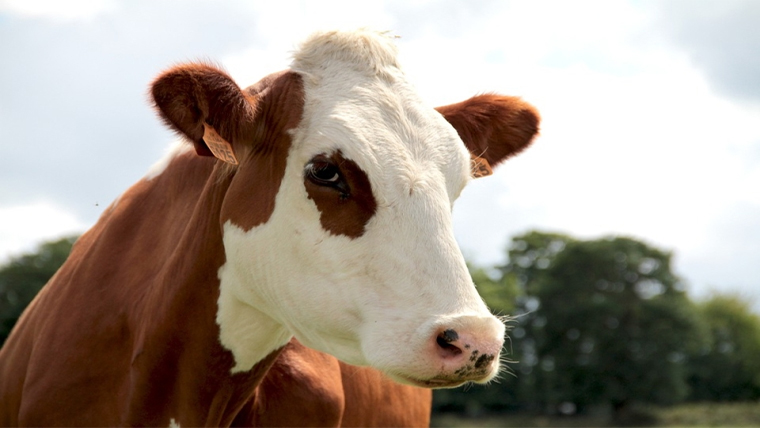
(58, 10)
(24, 226)
(276, 39)
(635, 154)
(635, 139)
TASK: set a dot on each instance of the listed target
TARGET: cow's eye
(323, 172)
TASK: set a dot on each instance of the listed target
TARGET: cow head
(337, 220)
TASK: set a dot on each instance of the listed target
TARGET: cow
(314, 205)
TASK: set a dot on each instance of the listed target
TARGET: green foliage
(499, 291)
(606, 324)
(606, 321)
(531, 254)
(727, 368)
(23, 277)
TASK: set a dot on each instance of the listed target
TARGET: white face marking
(381, 298)
(173, 424)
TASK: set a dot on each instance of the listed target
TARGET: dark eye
(323, 172)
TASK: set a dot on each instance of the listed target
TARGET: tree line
(605, 325)
(593, 324)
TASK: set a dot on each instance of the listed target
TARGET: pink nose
(466, 357)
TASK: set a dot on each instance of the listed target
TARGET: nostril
(449, 349)
(444, 340)
(449, 335)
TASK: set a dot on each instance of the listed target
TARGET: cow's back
(72, 350)
(49, 358)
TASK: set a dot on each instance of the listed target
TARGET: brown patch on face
(279, 107)
(192, 97)
(342, 192)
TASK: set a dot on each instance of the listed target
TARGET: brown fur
(265, 152)
(385, 404)
(305, 388)
(186, 96)
(494, 127)
(119, 345)
(302, 389)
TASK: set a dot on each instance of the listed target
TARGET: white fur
(378, 299)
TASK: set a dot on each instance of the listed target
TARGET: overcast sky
(651, 111)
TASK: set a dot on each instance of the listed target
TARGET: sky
(650, 111)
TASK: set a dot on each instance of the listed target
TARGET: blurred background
(625, 243)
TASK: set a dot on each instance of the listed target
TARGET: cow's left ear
(204, 103)
(493, 127)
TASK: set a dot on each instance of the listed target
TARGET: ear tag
(479, 167)
(220, 147)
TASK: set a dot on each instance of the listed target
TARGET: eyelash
(323, 172)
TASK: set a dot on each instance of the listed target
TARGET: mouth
(434, 383)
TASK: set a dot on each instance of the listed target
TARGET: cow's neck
(177, 353)
(249, 333)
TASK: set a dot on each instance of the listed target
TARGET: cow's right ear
(204, 104)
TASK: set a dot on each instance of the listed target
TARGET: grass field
(686, 415)
(711, 415)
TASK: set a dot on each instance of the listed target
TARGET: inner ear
(493, 127)
(193, 96)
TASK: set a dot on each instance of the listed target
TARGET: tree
(499, 292)
(23, 277)
(727, 368)
(605, 321)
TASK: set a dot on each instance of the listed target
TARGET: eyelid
(339, 184)
(313, 167)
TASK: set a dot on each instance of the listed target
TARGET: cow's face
(337, 222)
